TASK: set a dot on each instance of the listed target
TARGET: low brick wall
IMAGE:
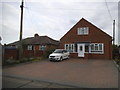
(89, 56)
(73, 55)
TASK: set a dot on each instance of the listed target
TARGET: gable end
(90, 24)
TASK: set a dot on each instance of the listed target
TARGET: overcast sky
(54, 18)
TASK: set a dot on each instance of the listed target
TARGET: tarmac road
(11, 82)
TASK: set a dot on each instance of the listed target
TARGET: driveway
(76, 72)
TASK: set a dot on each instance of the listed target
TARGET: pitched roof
(41, 40)
(87, 22)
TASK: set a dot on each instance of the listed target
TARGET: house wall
(32, 53)
(95, 36)
(51, 47)
(36, 52)
(14, 53)
(36, 47)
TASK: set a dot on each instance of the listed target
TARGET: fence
(14, 54)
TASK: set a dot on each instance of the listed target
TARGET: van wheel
(61, 58)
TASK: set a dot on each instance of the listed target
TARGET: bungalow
(32, 47)
(85, 40)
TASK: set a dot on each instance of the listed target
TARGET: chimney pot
(36, 35)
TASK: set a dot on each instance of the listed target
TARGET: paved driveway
(77, 72)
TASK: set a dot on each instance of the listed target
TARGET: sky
(54, 18)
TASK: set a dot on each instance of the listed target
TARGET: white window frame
(72, 49)
(97, 51)
(42, 47)
(29, 47)
(83, 31)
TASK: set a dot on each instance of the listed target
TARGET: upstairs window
(83, 31)
(29, 47)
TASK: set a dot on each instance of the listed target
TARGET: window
(82, 31)
(69, 47)
(92, 46)
(96, 48)
(29, 47)
(100, 46)
(42, 47)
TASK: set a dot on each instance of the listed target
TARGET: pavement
(68, 73)
(12, 82)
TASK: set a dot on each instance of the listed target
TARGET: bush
(17, 62)
(115, 52)
(36, 59)
(117, 61)
(48, 52)
(11, 62)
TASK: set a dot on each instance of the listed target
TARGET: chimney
(36, 35)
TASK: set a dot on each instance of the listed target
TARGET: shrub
(11, 62)
(117, 61)
(48, 52)
(115, 52)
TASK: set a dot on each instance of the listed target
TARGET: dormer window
(83, 31)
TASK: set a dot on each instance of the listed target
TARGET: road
(11, 82)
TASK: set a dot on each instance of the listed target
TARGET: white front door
(81, 50)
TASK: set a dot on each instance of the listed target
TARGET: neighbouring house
(32, 47)
(85, 40)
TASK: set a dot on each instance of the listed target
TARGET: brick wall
(32, 53)
(95, 36)
(14, 53)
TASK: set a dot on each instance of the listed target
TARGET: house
(32, 47)
(85, 40)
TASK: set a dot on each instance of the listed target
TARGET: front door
(81, 50)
